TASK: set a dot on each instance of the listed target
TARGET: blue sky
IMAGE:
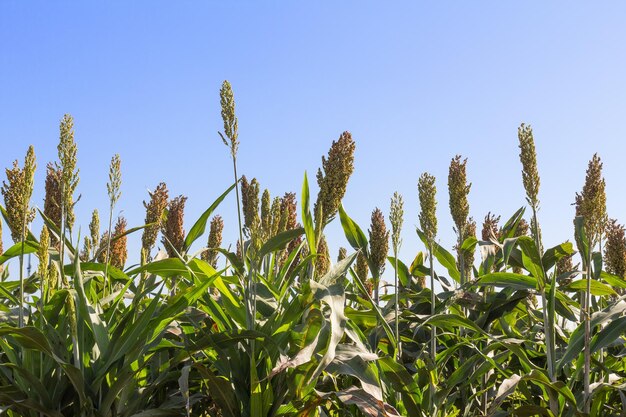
(415, 83)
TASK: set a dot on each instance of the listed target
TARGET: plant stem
(106, 267)
(433, 333)
(396, 287)
(586, 380)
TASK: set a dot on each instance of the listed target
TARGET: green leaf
(597, 288)
(507, 280)
(553, 255)
(199, 226)
(279, 241)
(353, 232)
(307, 219)
(445, 258)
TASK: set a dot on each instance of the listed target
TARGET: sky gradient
(415, 84)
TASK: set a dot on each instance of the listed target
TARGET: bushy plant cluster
(497, 325)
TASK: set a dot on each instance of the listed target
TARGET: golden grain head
(491, 228)
(343, 253)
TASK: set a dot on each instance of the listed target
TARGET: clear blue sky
(415, 83)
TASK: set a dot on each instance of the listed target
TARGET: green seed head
(333, 177)
(94, 229)
(528, 157)
(17, 192)
(69, 173)
(361, 267)
(428, 203)
(396, 218)
(458, 188)
(115, 179)
(266, 214)
(379, 241)
(227, 102)
(214, 241)
(42, 253)
(322, 262)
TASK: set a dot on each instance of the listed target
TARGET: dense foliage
(497, 325)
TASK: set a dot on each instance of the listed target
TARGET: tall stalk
(113, 190)
(396, 214)
(428, 222)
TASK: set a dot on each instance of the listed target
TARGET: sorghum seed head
(469, 230)
(379, 241)
(288, 208)
(458, 188)
(115, 179)
(591, 202)
(322, 262)
(53, 198)
(428, 203)
(564, 264)
(42, 252)
(491, 229)
(154, 217)
(615, 249)
(84, 255)
(396, 217)
(333, 177)
(173, 230)
(17, 193)
(251, 212)
(94, 229)
(53, 276)
(361, 267)
(343, 253)
(528, 157)
(275, 218)
(214, 241)
(266, 219)
(227, 102)
(69, 174)
(119, 252)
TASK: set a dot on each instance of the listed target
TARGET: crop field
(280, 324)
